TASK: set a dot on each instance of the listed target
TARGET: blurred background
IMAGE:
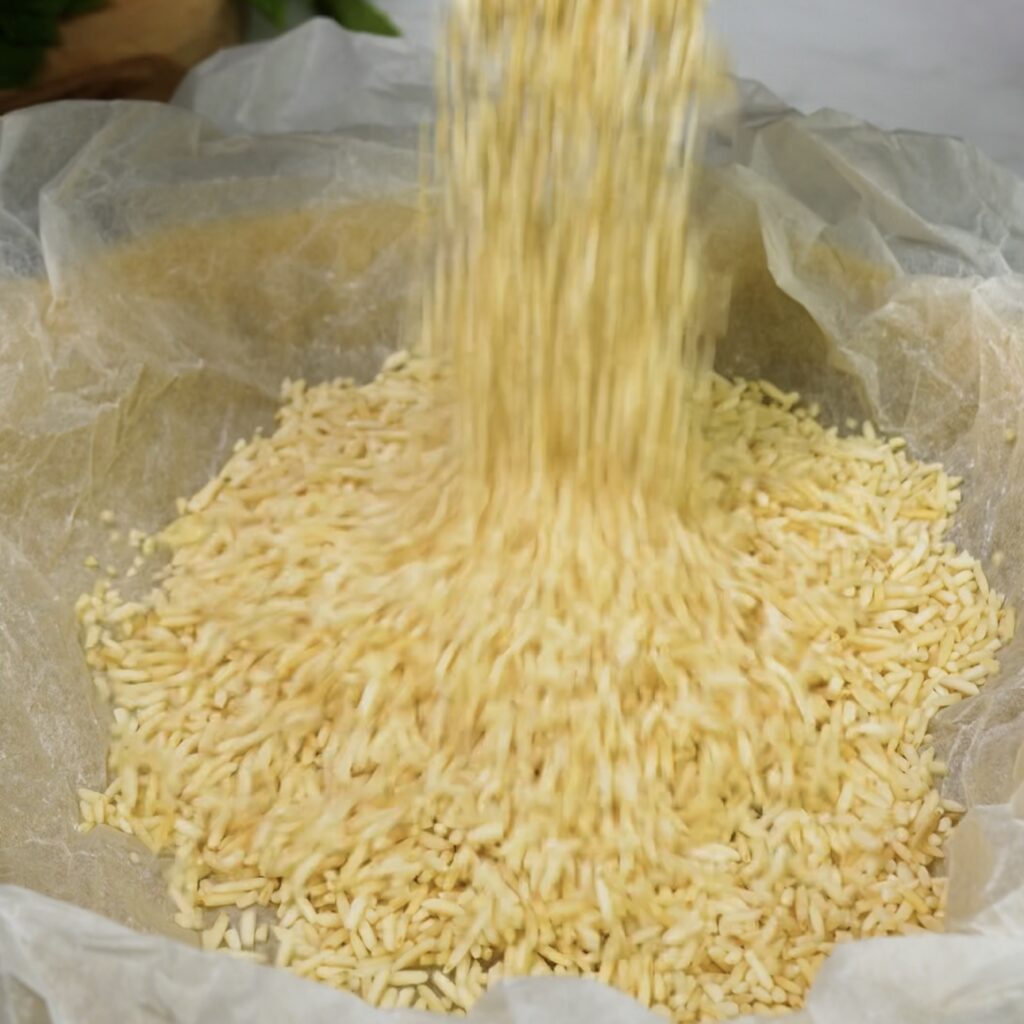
(942, 66)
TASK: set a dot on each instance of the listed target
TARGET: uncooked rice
(549, 651)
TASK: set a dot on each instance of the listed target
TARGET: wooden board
(130, 49)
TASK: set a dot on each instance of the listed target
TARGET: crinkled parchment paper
(160, 276)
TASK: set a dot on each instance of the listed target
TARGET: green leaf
(27, 29)
(72, 8)
(275, 10)
(359, 16)
(19, 64)
(31, 23)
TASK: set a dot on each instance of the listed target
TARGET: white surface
(947, 66)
